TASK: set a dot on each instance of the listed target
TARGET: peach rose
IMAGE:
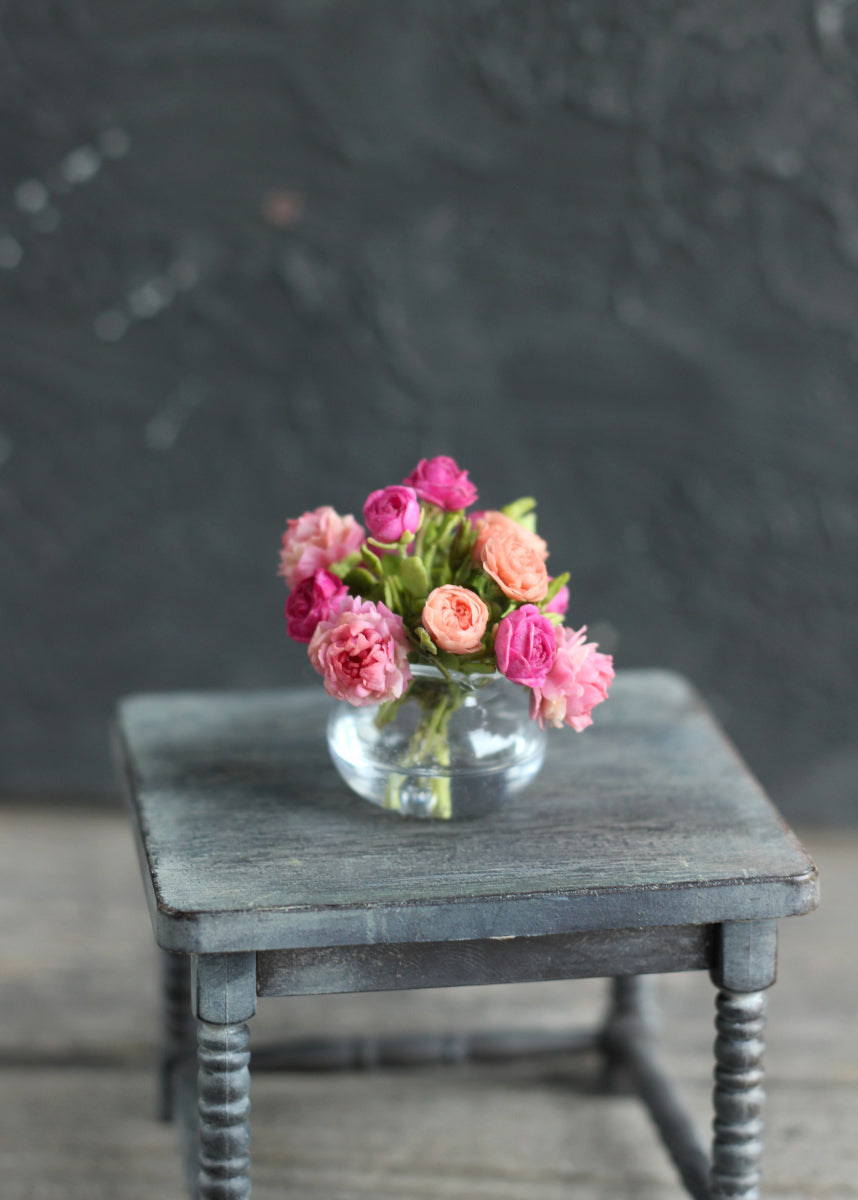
(515, 564)
(455, 618)
(491, 522)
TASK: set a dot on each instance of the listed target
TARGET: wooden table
(645, 846)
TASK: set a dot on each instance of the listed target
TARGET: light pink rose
(314, 541)
(560, 603)
(525, 646)
(577, 682)
(455, 618)
(490, 522)
(440, 481)
(514, 563)
(314, 599)
(361, 653)
(390, 512)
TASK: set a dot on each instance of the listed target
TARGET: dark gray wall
(605, 253)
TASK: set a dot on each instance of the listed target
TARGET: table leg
(177, 1034)
(223, 1090)
(737, 1144)
(747, 966)
(631, 1011)
(224, 995)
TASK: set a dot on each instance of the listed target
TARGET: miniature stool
(643, 847)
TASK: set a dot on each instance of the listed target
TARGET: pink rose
(525, 647)
(514, 563)
(490, 522)
(560, 603)
(455, 618)
(314, 599)
(439, 481)
(390, 512)
(577, 682)
(314, 541)
(361, 653)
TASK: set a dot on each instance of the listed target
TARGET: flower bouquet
(431, 623)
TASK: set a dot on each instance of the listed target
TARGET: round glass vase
(451, 748)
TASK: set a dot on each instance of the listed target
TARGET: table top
(249, 840)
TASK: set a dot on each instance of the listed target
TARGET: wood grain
(249, 840)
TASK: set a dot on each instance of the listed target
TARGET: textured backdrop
(255, 257)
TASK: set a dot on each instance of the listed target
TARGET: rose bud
(391, 512)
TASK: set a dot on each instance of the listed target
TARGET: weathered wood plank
(649, 818)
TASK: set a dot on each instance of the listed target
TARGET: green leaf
(371, 560)
(554, 618)
(555, 586)
(520, 510)
(478, 668)
(528, 522)
(361, 583)
(389, 594)
(425, 641)
(463, 542)
(412, 572)
(450, 522)
(342, 568)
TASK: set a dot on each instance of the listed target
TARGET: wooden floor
(78, 1017)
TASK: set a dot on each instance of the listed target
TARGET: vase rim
(470, 679)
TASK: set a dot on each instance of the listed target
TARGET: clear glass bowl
(447, 750)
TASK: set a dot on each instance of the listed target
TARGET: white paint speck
(81, 165)
(10, 253)
(31, 196)
(149, 299)
(163, 429)
(829, 19)
(111, 325)
(114, 142)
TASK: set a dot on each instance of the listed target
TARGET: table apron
(399, 966)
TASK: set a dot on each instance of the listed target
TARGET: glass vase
(452, 747)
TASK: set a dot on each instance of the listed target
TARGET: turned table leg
(224, 995)
(737, 1144)
(747, 967)
(223, 1089)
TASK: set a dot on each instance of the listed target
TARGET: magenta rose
(439, 481)
(314, 599)
(361, 653)
(525, 647)
(314, 541)
(560, 603)
(577, 682)
(391, 512)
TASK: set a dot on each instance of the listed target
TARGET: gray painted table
(645, 846)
